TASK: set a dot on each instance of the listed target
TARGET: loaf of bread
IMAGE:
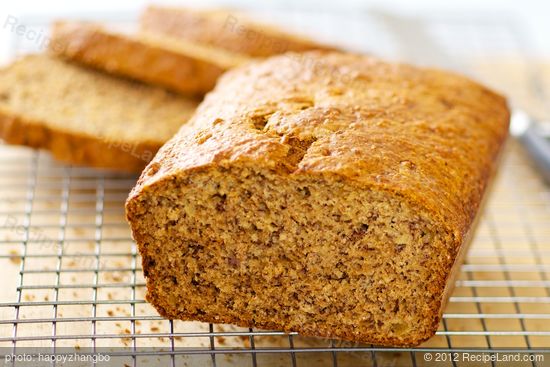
(325, 193)
(86, 117)
(222, 29)
(181, 66)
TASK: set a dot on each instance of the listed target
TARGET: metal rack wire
(73, 281)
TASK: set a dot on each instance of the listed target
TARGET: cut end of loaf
(246, 246)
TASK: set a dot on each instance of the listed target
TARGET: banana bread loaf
(328, 194)
(86, 117)
(184, 67)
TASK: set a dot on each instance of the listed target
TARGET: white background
(534, 14)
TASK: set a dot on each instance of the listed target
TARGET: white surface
(532, 14)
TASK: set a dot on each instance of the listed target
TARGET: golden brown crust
(319, 332)
(225, 30)
(76, 148)
(427, 137)
(145, 58)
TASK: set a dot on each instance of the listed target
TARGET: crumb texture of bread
(324, 193)
(187, 68)
(86, 117)
(224, 29)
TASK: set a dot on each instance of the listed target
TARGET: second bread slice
(183, 67)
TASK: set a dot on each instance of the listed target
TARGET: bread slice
(183, 67)
(328, 194)
(86, 117)
(227, 30)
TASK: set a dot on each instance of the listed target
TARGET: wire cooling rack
(72, 277)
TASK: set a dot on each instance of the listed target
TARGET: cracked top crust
(426, 135)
